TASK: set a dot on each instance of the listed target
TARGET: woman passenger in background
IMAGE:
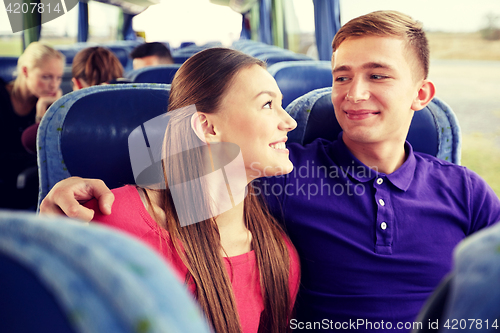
(91, 66)
(23, 102)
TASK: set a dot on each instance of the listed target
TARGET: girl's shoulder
(126, 212)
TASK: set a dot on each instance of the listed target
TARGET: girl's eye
(268, 105)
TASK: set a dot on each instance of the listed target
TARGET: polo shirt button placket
(383, 243)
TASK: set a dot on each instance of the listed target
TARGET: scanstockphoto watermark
(321, 180)
(313, 170)
(357, 324)
(309, 190)
(171, 148)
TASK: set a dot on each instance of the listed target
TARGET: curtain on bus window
(327, 23)
(278, 23)
(292, 30)
(265, 28)
(83, 21)
(127, 29)
(246, 33)
(31, 24)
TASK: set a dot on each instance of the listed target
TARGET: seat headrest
(85, 133)
(154, 74)
(59, 275)
(8, 66)
(273, 58)
(296, 78)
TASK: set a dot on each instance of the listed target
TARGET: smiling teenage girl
(240, 266)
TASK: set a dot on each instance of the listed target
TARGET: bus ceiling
(269, 27)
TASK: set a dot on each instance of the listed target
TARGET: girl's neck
(235, 237)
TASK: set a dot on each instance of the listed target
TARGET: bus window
(10, 44)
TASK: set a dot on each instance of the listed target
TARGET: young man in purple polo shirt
(376, 237)
(373, 221)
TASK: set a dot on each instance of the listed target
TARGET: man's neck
(384, 157)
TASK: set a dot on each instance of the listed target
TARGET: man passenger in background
(151, 54)
(371, 256)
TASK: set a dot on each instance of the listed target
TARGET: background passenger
(239, 264)
(91, 66)
(23, 102)
(151, 54)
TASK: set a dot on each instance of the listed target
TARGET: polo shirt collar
(402, 177)
(349, 164)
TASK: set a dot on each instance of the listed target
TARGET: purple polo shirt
(373, 246)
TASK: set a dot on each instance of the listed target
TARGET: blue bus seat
(123, 54)
(180, 58)
(296, 78)
(186, 44)
(8, 66)
(245, 44)
(257, 50)
(260, 52)
(154, 74)
(472, 300)
(66, 83)
(273, 58)
(129, 45)
(212, 44)
(432, 312)
(85, 133)
(434, 130)
(63, 276)
(474, 292)
(69, 52)
(190, 50)
(193, 49)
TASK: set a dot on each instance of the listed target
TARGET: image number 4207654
(25, 14)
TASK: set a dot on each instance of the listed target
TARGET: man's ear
(24, 71)
(424, 95)
(203, 128)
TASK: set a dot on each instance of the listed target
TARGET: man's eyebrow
(343, 68)
(372, 65)
(368, 65)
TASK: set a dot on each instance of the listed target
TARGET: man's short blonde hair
(390, 24)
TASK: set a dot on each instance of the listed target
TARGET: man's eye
(341, 79)
(268, 105)
(378, 77)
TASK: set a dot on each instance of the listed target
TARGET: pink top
(130, 215)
